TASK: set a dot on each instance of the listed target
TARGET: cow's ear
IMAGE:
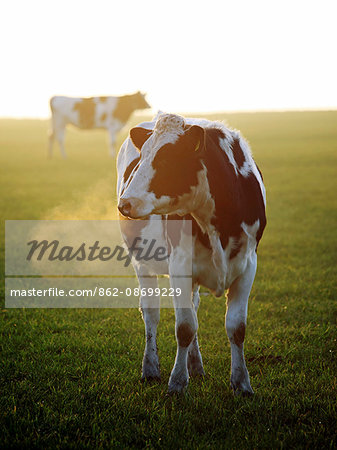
(139, 135)
(196, 136)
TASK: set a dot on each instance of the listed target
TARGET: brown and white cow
(196, 170)
(110, 113)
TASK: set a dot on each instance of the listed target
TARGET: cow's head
(140, 101)
(169, 177)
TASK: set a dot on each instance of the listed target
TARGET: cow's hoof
(194, 365)
(151, 374)
(242, 391)
(240, 382)
(196, 372)
(177, 387)
(151, 379)
(150, 369)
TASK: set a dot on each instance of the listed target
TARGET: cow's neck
(203, 215)
(203, 205)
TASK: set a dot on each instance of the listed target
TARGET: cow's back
(85, 113)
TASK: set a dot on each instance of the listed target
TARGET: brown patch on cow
(124, 108)
(184, 335)
(86, 112)
(176, 170)
(103, 99)
(103, 117)
(239, 334)
(127, 104)
(139, 136)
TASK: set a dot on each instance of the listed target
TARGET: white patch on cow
(249, 163)
(202, 202)
(107, 107)
(126, 155)
(226, 144)
(219, 261)
(237, 265)
(154, 228)
(168, 128)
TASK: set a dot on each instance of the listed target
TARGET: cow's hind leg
(150, 309)
(194, 359)
(236, 319)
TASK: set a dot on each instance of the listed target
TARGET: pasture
(71, 378)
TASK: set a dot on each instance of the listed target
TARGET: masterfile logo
(141, 249)
(86, 263)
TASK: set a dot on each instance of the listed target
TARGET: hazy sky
(187, 55)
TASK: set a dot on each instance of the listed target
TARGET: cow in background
(196, 170)
(110, 113)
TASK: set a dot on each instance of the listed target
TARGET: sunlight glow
(187, 55)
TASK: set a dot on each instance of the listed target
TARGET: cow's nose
(124, 206)
(129, 207)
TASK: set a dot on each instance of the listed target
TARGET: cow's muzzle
(130, 207)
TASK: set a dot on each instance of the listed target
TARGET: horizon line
(189, 113)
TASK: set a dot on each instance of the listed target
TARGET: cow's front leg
(180, 270)
(185, 330)
(186, 327)
(194, 360)
(150, 309)
(236, 319)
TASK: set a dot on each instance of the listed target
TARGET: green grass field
(71, 378)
